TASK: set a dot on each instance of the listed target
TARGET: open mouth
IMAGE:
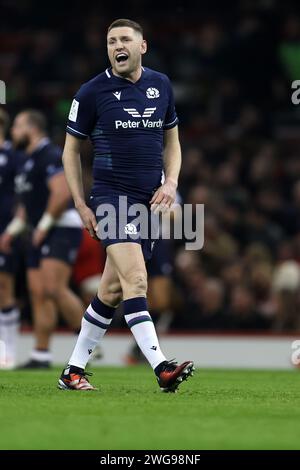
(121, 57)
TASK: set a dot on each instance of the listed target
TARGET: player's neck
(34, 143)
(132, 77)
(2, 140)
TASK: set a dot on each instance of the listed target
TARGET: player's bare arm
(14, 228)
(164, 197)
(73, 173)
(59, 197)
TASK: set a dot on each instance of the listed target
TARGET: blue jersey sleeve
(52, 164)
(82, 114)
(171, 119)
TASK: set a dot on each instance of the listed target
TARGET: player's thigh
(35, 283)
(6, 285)
(56, 275)
(128, 260)
(110, 282)
(6, 280)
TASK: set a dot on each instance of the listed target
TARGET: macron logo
(117, 94)
(134, 113)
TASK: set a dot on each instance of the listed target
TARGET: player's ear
(144, 47)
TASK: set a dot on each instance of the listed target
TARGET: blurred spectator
(242, 313)
(209, 314)
(286, 284)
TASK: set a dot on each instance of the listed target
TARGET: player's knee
(136, 282)
(50, 294)
(112, 300)
(36, 293)
(5, 292)
(53, 292)
(111, 294)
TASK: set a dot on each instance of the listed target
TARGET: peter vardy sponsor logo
(134, 113)
(136, 124)
(141, 123)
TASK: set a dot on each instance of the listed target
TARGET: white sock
(164, 321)
(9, 331)
(140, 322)
(94, 325)
(41, 355)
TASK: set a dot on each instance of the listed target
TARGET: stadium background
(232, 65)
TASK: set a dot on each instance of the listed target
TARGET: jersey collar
(110, 75)
(42, 143)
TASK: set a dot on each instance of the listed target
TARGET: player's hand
(5, 242)
(39, 236)
(89, 220)
(164, 197)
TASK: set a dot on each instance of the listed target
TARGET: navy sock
(160, 367)
(76, 370)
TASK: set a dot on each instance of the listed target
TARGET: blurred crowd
(232, 67)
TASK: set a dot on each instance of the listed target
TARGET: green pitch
(216, 409)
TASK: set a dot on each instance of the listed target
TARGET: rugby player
(55, 232)
(9, 312)
(129, 114)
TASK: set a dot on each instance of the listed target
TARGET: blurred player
(55, 232)
(128, 112)
(9, 312)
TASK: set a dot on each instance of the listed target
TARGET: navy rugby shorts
(120, 221)
(61, 243)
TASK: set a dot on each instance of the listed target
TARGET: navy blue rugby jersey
(9, 160)
(31, 181)
(125, 122)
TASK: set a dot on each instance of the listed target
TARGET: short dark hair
(123, 22)
(4, 121)
(36, 119)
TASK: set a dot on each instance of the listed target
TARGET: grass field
(216, 409)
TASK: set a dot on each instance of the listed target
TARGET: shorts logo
(130, 229)
(134, 113)
(72, 255)
(3, 159)
(74, 111)
(45, 250)
(152, 93)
